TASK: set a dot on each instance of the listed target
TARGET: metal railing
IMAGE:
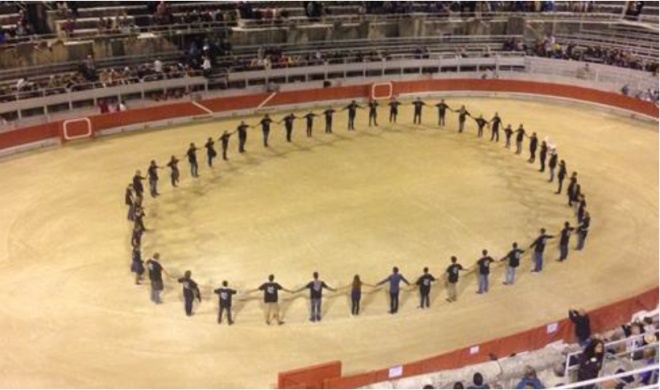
(584, 384)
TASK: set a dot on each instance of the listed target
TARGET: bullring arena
(346, 203)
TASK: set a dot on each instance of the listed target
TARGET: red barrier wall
(176, 110)
(310, 377)
(602, 319)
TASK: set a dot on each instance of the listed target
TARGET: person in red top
(103, 106)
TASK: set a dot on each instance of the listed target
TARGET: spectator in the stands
(649, 377)
(458, 385)
(580, 319)
(530, 381)
(158, 66)
(69, 27)
(121, 106)
(206, 66)
(478, 382)
(103, 106)
(23, 84)
(590, 361)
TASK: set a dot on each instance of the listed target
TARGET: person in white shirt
(158, 66)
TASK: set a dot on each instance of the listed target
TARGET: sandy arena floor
(341, 204)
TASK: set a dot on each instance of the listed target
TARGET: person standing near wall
(580, 319)
(315, 287)
(394, 280)
(452, 273)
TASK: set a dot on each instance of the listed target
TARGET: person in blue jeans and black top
(564, 239)
(539, 247)
(514, 261)
(395, 281)
(315, 287)
(424, 283)
(484, 270)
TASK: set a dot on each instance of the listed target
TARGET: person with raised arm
(394, 280)
(315, 288)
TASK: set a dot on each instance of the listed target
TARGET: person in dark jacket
(591, 361)
(190, 292)
(582, 326)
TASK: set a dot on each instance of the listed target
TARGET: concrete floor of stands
(351, 202)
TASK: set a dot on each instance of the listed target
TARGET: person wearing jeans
(514, 261)
(484, 270)
(539, 247)
(565, 236)
(394, 280)
(316, 287)
(583, 230)
(192, 159)
(156, 277)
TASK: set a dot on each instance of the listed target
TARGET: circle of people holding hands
(270, 289)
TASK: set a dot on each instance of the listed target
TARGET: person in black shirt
(533, 145)
(224, 140)
(288, 125)
(508, 132)
(137, 183)
(139, 216)
(242, 136)
(442, 111)
(575, 197)
(543, 154)
(582, 207)
(128, 200)
(190, 292)
(394, 109)
(452, 279)
(328, 120)
(136, 236)
(462, 114)
(265, 128)
(271, 299)
(564, 238)
(315, 287)
(583, 230)
(481, 123)
(192, 159)
(424, 283)
(373, 112)
(514, 261)
(484, 270)
(582, 325)
(561, 175)
(417, 116)
(174, 170)
(495, 128)
(520, 135)
(352, 108)
(552, 164)
(137, 265)
(152, 172)
(156, 277)
(224, 295)
(572, 187)
(210, 151)
(591, 360)
(539, 247)
(310, 123)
